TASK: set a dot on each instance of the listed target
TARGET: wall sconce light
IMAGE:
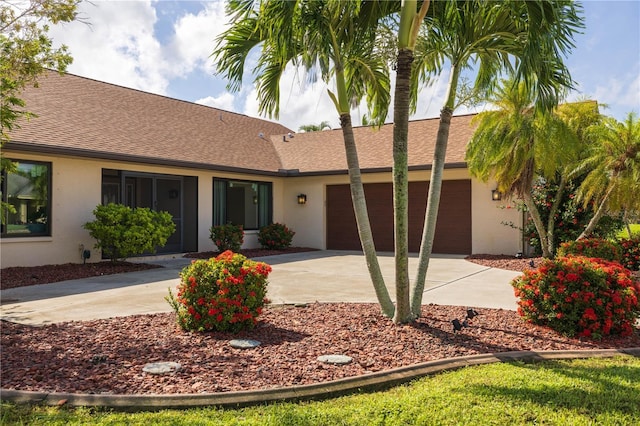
(302, 199)
(496, 195)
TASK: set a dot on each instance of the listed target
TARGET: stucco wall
(490, 219)
(489, 234)
(74, 194)
(76, 190)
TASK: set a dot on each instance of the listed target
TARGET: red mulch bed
(20, 276)
(107, 356)
(503, 261)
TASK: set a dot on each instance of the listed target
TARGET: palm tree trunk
(537, 222)
(362, 217)
(401, 184)
(598, 214)
(627, 224)
(551, 244)
(433, 198)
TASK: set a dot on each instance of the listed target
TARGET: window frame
(219, 213)
(49, 203)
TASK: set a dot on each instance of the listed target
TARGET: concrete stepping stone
(164, 367)
(244, 343)
(335, 359)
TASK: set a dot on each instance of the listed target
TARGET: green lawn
(574, 392)
(635, 229)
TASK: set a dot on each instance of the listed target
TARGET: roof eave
(456, 165)
(85, 153)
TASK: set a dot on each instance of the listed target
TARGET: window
(27, 189)
(242, 203)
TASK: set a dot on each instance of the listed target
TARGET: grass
(602, 391)
(635, 229)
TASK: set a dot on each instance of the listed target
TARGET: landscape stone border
(368, 382)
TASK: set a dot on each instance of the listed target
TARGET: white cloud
(631, 97)
(621, 93)
(300, 102)
(194, 39)
(116, 44)
(224, 101)
(308, 103)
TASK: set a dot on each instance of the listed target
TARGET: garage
(453, 230)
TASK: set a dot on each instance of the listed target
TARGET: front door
(169, 199)
(159, 193)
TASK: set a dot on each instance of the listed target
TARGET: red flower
(572, 277)
(590, 314)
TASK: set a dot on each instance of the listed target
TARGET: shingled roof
(81, 116)
(323, 152)
(84, 117)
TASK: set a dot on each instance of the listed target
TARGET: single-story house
(94, 142)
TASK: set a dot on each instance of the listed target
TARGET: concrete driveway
(319, 276)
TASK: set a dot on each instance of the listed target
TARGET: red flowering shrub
(275, 236)
(225, 293)
(590, 247)
(630, 250)
(227, 237)
(588, 297)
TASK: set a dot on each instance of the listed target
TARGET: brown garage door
(453, 231)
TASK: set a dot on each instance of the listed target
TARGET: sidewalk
(318, 276)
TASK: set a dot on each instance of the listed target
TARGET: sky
(164, 47)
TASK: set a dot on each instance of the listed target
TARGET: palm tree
(515, 143)
(314, 127)
(411, 19)
(335, 39)
(613, 181)
(528, 38)
(339, 39)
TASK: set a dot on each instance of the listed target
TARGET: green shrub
(122, 232)
(225, 293)
(588, 297)
(275, 236)
(590, 247)
(227, 237)
(630, 252)
(570, 219)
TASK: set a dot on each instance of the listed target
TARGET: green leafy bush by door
(122, 232)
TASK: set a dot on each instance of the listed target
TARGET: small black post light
(471, 314)
(457, 326)
(532, 263)
(496, 195)
(302, 198)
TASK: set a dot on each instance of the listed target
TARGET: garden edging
(373, 381)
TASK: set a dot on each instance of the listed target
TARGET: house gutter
(421, 167)
(85, 153)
